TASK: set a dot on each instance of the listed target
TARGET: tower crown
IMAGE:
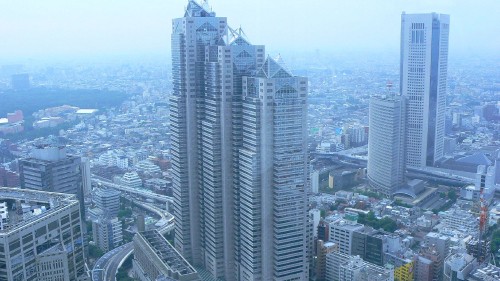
(194, 9)
(274, 69)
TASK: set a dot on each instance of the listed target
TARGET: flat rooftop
(54, 202)
(167, 253)
(86, 111)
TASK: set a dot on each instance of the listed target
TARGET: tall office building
(207, 115)
(43, 240)
(424, 65)
(209, 60)
(49, 168)
(86, 174)
(386, 145)
(273, 176)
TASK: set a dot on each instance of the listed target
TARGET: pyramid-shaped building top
(194, 9)
(274, 69)
(238, 37)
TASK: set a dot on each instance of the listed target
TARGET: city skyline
(272, 141)
(42, 30)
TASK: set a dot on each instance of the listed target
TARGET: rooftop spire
(238, 37)
(195, 9)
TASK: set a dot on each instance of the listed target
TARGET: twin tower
(408, 129)
(239, 154)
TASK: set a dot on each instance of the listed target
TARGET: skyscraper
(211, 101)
(424, 65)
(273, 176)
(208, 60)
(386, 145)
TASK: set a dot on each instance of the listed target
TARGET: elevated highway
(428, 173)
(140, 192)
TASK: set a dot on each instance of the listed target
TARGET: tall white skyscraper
(273, 176)
(424, 65)
(386, 145)
(191, 37)
(220, 214)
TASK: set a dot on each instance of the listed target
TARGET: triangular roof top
(274, 69)
(476, 159)
(194, 9)
(238, 37)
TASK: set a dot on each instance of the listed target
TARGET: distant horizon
(288, 56)
(58, 30)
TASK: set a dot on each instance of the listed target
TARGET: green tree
(95, 252)
(495, 241)
(124, 213)
(385, 223)
(452, 194)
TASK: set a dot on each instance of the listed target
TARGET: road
(101, 267)
(141, 192)
(114, 263)
(106, 267)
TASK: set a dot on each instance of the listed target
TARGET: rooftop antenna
(389, 85)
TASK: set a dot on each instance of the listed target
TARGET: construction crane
(483, 212)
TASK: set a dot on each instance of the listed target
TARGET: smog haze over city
(278, 140)
(83, 29)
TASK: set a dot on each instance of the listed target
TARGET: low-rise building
(46, 242)
(487, 273)
(155, 257)
(132, 180)
(457, 267)
(341, 233)
(342, 267)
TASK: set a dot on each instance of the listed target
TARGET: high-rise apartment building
(386, 145)
(424, 65)
(107, 233)
(43, 241)
(108, 200)
(219, 205)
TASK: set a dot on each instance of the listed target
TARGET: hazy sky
(52, 28)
